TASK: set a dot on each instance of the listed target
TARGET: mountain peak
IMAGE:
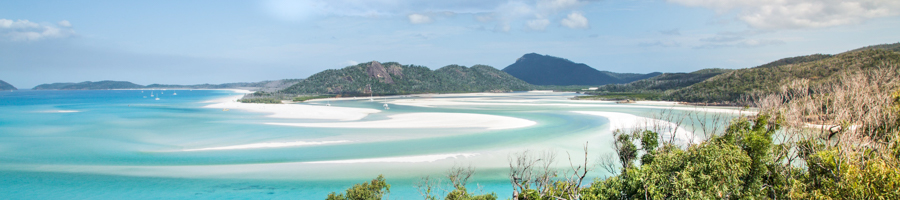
(540, 69)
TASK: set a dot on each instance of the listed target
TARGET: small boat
(174, 93)
(224, 109)
(386, 107)
(157, 98)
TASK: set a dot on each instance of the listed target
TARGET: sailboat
(371, 93)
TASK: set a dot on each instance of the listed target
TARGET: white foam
(268, 145)
(59, 111)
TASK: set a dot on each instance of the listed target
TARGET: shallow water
(125, 144)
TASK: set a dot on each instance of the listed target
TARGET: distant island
(548, 70)
(393, 78)
(6, 86)
(114, 85)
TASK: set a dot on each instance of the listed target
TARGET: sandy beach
(429, 120)
(628, 122)
(294, 111)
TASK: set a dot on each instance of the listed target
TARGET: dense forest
(548, 70)
(829, 130)
(6, 86)
(392, 78)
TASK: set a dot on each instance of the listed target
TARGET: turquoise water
(125, 144)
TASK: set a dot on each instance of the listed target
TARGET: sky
(194, 42)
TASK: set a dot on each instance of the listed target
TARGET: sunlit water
(125, 144)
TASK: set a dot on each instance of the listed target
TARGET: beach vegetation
(372, 190)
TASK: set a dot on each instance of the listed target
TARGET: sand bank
(294, 111)
(429, 120)
(268, 145)
(470, 102)
(403, 159)
(627, 122)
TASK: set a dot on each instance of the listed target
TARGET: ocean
(126, 144)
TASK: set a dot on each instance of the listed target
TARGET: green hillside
(665, 81)
(393, 78)
(6, 86)
(736, 85)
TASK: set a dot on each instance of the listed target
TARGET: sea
(127, 144)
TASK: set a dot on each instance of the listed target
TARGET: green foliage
(310, 97)
(649, 143)
(889, 47)
(795, 60)
(262, 100)
(371, 190)
(626, 149)
(463, 194)
(733, 165)
(664, 82)
(623, 96)
(392, 78)
(739, 84)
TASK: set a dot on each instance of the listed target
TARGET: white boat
(174, 93)
(386, 107)
(157, 98)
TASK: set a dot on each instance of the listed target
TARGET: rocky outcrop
(395, 70)
(379, 72)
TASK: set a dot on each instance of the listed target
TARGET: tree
(371, 190)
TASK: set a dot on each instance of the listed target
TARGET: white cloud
(24, 30)
(497, 13)
(575, 20)
(419, 19)
(64, 23)
(538, 24)
(795, 14)
(349, 63)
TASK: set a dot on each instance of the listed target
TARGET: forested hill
(736, 86)
(6, 86)
(740, 84)
(88, 85)
(665, 81)
(393, 78)
(548, 70)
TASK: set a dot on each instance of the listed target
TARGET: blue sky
(192, 42)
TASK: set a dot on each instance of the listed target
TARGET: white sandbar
(626, 122)
(294, 111)
(404, 159)
(268, 145)
(429, 120)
